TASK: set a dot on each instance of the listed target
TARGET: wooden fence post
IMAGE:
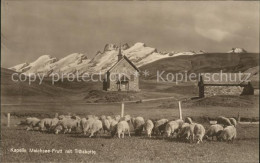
(122, 109)
(238, 117)
(180, 112)
(8, 119)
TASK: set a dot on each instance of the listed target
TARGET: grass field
(134, 149)
(248, 107)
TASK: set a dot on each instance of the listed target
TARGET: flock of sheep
(225, 129)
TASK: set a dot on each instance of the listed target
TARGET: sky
(30, 29)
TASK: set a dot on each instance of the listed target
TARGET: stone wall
(222, 90)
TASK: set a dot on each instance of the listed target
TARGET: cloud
(213, 33)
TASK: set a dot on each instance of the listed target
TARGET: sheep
(214, 130)
(182, 130)
(180, 122)
(67, 124)
(228, 134)
(109, 117)
(123, 127)
(82, 122)
(106, 125)
(48, 123)
(113, 127)
(199, 132)
(127, 118)
(92, 117)
(148, 126)
(117, 118)
(159, 126)
(95, 127)
(138, 124)
(187, 131)
(54, 122)
(58, 129)
(102, 117)
(233, 121)
(76, 117)
(31, 122)
(172, 127)
(188, 120)
(86, 124)
(60, 117)
(223, 120)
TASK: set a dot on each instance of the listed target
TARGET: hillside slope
(211, 62)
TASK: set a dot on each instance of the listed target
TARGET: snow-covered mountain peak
(110, 47)
(237, 50)
(19, 67)
(74, 57)
(44, 59)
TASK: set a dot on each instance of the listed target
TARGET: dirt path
(59, 103)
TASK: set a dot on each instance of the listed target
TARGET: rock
(125, 46)
(110, 47)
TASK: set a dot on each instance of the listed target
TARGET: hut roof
(124, 57)
(224, 78)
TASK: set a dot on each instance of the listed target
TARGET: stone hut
(211, 84)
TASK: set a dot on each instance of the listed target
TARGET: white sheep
(58, 129)
(180, 122)
(92, 117)
(109, 118)
(76, 117)
(199, 132)
(95, 127)
(30, 122)
(138, 124)
(60, 117)
(82, 122)
(188, 120)
(86, 124)
(54, 123)
(117, 118)
(159, 126)
(127, 118)
(187, 131)
(173, 127)
(123, 127)
(233, 121)
(148, 126)
(102, 117)
(67, 124)
(48, 123)
(228, 134)
(224, 121)
(214, 130)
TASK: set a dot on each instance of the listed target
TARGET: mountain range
(139, 54)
